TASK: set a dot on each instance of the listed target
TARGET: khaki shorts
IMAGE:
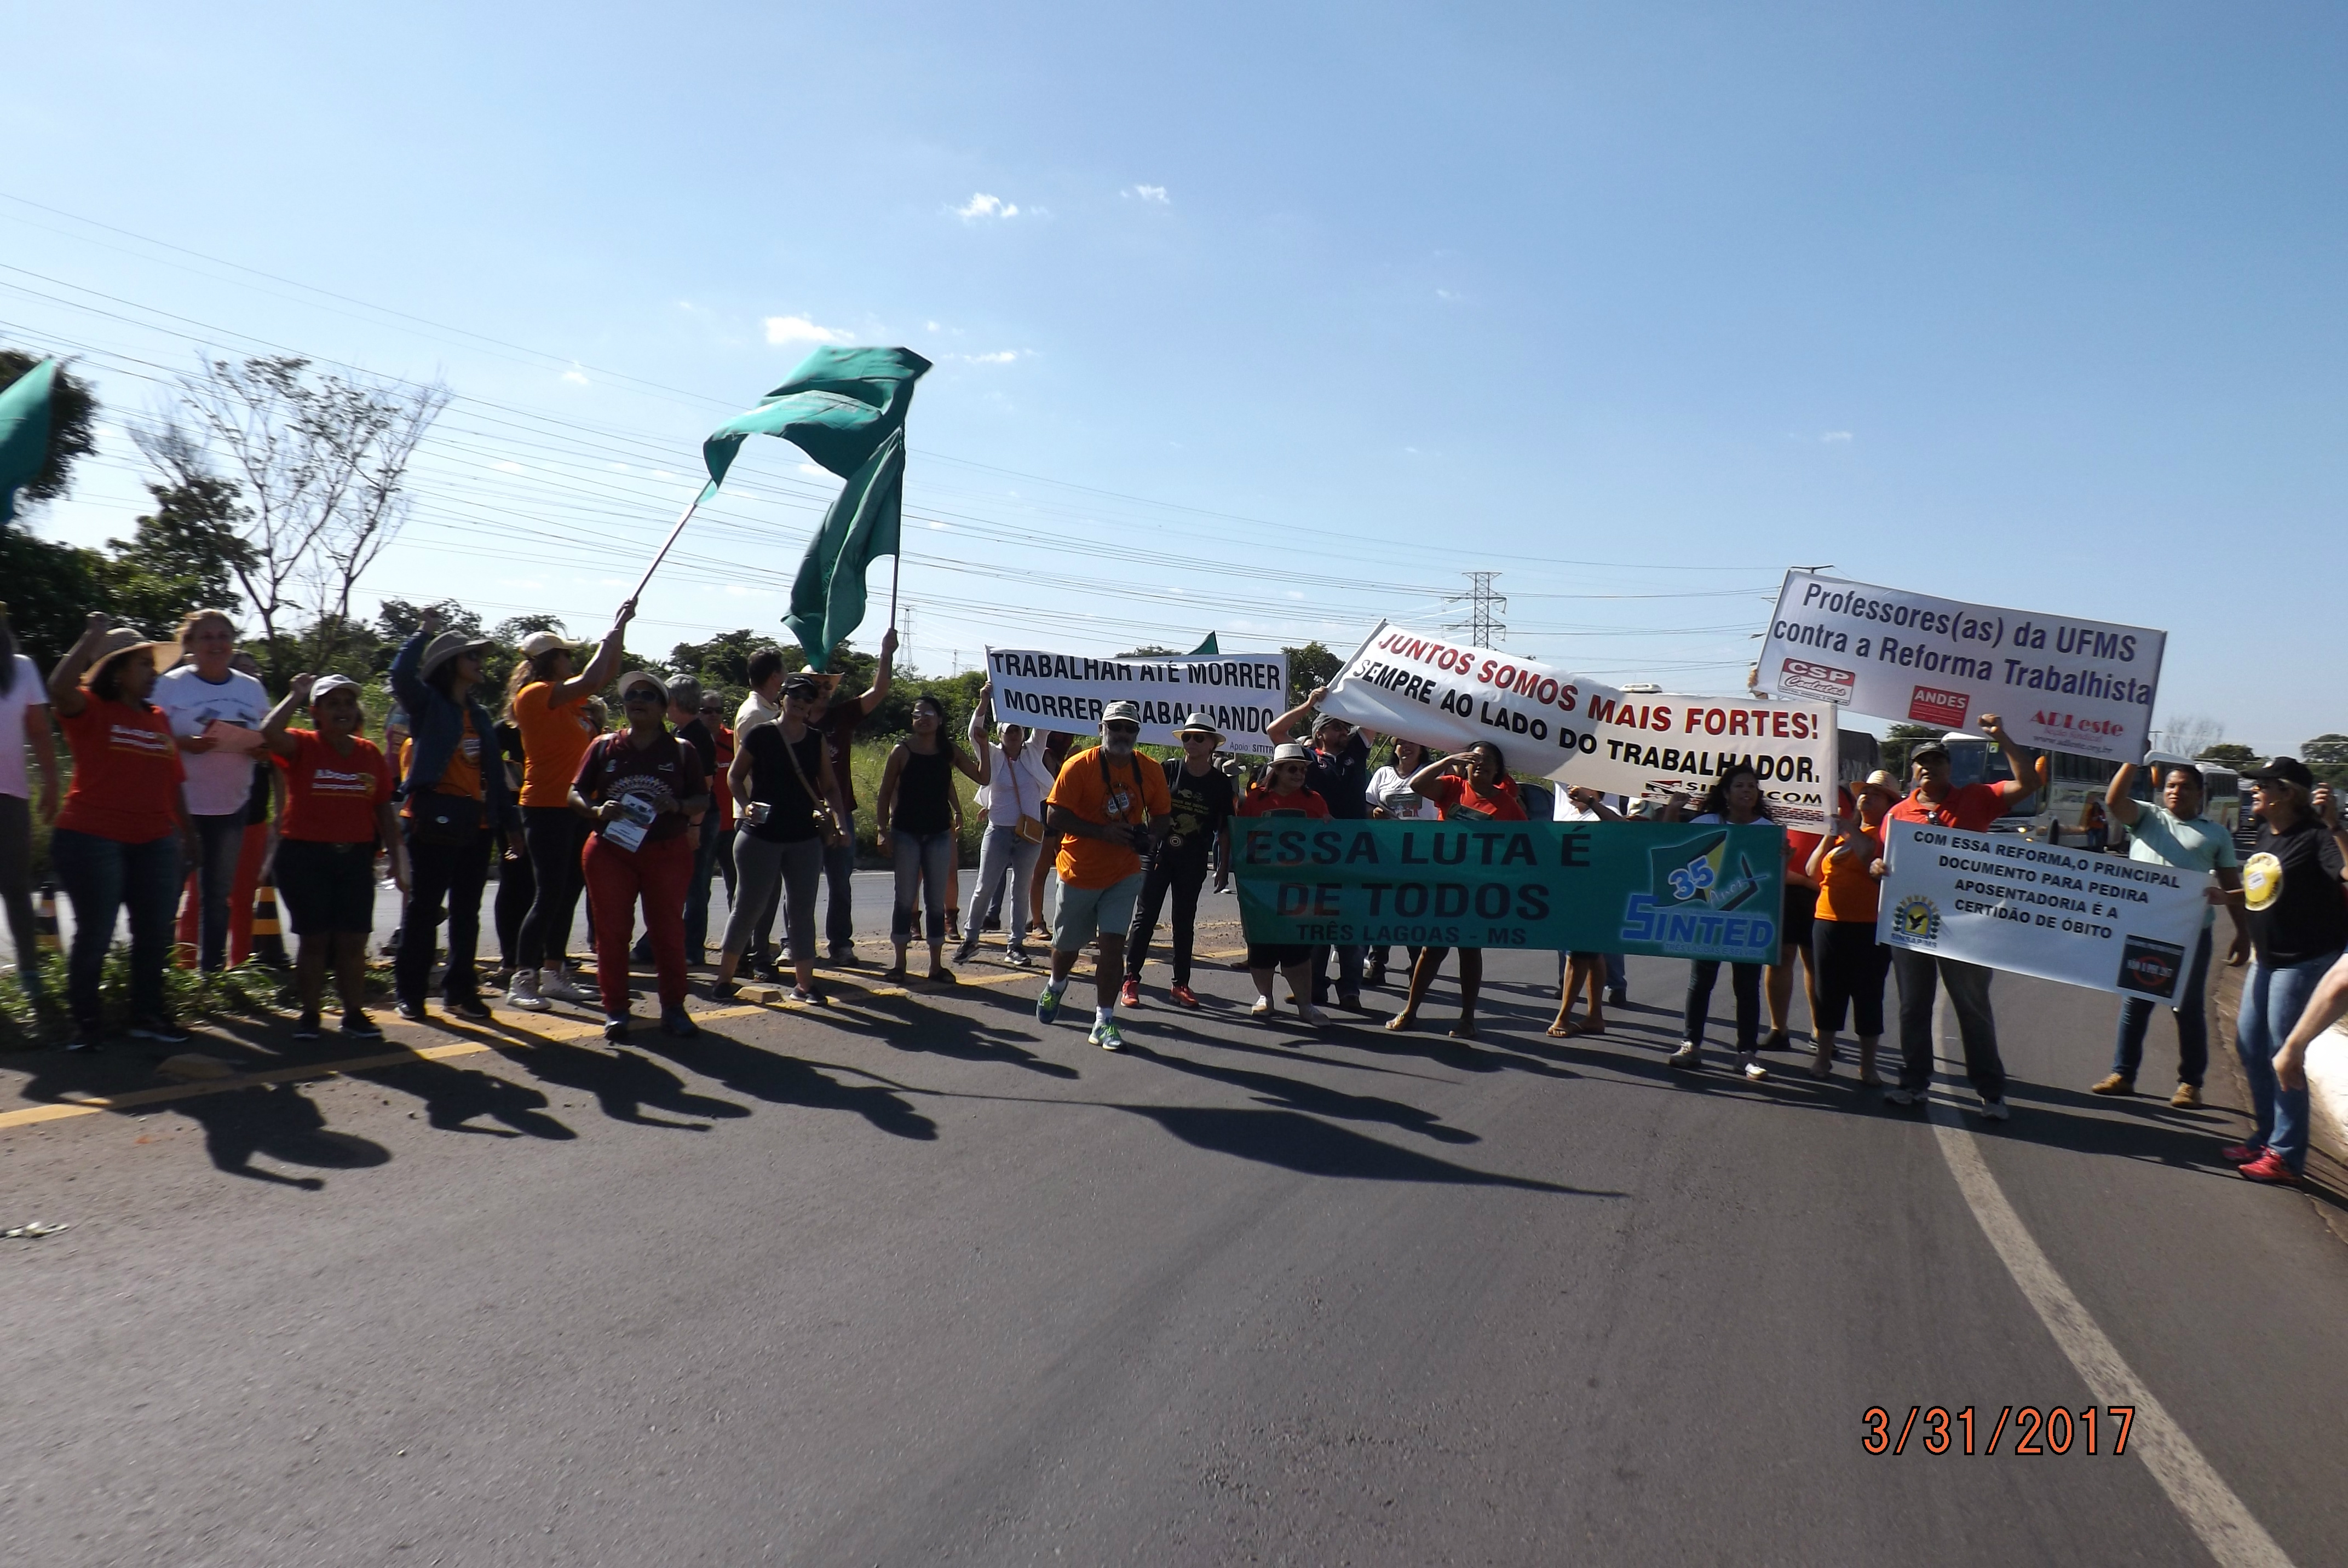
(1086, 912)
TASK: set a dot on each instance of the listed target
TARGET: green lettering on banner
(1669, 889)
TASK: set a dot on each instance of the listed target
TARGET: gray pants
(1968, 986)
(926, 861)
(795, 868)
(999, 853)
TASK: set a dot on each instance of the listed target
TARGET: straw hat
(122, 642)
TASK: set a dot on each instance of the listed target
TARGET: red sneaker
(2269, 1167)
(2240, 1153)
(1131, 995)
(1184, 997)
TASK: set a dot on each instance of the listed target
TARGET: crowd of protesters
(186, 779)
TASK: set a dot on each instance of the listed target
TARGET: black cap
(1929, 749)
(2289, 770)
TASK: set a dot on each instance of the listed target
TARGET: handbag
(1030, 830)
(821, 809)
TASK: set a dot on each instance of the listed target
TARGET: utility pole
(1482, 623)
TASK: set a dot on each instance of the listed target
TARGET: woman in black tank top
(916, 818)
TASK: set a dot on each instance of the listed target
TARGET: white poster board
(1241, 695)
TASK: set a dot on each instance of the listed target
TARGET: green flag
(1207, 648)
(24, 432)
(844, 408)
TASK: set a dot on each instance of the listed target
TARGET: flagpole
(682, 518)
(896, 564)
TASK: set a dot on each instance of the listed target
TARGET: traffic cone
(268, 938)
(45, 920)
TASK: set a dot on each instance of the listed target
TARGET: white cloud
(1001, 357)
(782, 330)
(1156, 193)
(982, 205)
(576, 376)
(937, 527)
(617, 467)
(931, 327)
(509, 467)
(1445, 294)
(1834, 438)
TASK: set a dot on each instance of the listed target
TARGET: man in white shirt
(1017, 783)
(215, 713)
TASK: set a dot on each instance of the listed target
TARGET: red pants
(658, 873)
(239, 901)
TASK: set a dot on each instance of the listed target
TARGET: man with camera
(1108, 806)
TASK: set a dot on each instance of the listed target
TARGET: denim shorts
(1088, 912)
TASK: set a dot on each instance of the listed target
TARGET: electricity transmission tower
(1482, 623)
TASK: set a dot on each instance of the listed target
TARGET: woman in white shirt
(1391, 797)
(1017, 782)
(24, 721)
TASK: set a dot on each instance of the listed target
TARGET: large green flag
(844, 408)
(24, 432)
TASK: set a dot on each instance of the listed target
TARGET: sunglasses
(643, 694)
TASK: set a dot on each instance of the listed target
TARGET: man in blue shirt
(2175, 833)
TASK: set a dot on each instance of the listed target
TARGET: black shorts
(1801, 911)
(326, 887)
(1277, 955)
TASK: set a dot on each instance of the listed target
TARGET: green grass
(252, 991)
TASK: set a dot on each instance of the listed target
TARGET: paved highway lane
(918, 1280)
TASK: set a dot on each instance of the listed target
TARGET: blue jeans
(696, 892)
(1919, 974)
(924, 864)
(218, 841)
(2192, 1024)
(102, 877)
(1745, 981)
(838, 896)
(2273, 996)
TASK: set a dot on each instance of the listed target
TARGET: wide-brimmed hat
(1129, 713)
(1291, 751)
(122, 641)
(327, 686)
(1882, 779)
(1199, 723)
(446, 646)
(642, 678)
(539, 642)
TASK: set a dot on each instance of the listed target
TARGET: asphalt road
(915, 1280)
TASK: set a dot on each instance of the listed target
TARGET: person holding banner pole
(2299, 924)
(1015, 829)
(1971, 808)
(1108, 804)
(1486, 791)
(1850, 966)
(2174, 833)
(1735, 798)
(1340, 776)
(838, 717)
(1284, 796)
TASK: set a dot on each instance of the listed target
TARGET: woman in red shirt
(337, 808)
(1483, 790)
(119, 839)
(1285, 795)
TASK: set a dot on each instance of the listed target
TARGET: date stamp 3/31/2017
(2053, 1431)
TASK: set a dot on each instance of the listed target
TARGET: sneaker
(1618, 998)
(1262, 1008)
(358, 1026)
(523, 992)
(843, 958)
(1047, 1005)
(1777, 1040)
(2114, 1083)
(2240, 1153)
(310, 1028)
(679, 1023)
(1313, 1017)
(1689, 1054)
(615, 1026)
(806, 998)
(412, 1012)
(1018, 960)
(2269, 1167)
(1895, 1095)
(161, 1030)
(1995, 1109)
(1184, 997)
(1129, 994)
(2188, 1097)
(83, 1039)
(968, 951)
(1107, 1036)
(942, 976)
(1375, 979)
(723, 990)
(472, 1009)
(556, 985)
(1751, 1066)
(1350, 1000)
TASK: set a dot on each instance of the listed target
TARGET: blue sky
(1303, 311)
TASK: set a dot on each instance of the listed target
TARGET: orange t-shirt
(127, 772)
(553, 740)
(331, 798)
(463, 774)
(1093, 787)
(1846, 891)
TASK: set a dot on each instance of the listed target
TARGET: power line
(1482, 624)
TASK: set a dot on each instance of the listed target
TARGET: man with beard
(1108, 805)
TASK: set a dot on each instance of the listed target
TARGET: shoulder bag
(827, 825)
(1030, 829)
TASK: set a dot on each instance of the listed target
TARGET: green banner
(1680, 890)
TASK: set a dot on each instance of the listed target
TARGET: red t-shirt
(1970, 807)
(1458, 797)
(664, 773)
(717, 786)
(127, 772)
(331, 798)
(1259, 801)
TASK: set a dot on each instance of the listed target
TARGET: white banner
(2077, 916)
(2083, 686)
(1578, 731)
(1241, 693)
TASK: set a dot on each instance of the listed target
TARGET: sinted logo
(1916, 922)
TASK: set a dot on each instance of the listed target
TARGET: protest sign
(1679, 890)
(1242, 693)
(2082, 686)
(2077, 916)
(1446, 694)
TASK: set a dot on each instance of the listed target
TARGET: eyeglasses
(643, 694)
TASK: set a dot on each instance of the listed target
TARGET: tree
(50, 587)
(1900, 743)
(2227, 755)
(73, 410)
(183, 557)
(1310, 666)
(2326, 751)
(723, 661)
(1150, 651)
(322, 460)
(514, 627)
(2190, 734)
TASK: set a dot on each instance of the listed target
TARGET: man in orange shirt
(1108, 806)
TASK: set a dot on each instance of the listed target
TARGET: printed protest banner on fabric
(2077, 915)
(2083, 686)
(1675, 889)
(1447, 694)
(1242, 693)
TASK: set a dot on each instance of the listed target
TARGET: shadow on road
(903, 1023)
(454, 1096)
(622, 1082)
(280, 1122)
(1299, 1094)
(786, 1080)
(1291, 1140)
